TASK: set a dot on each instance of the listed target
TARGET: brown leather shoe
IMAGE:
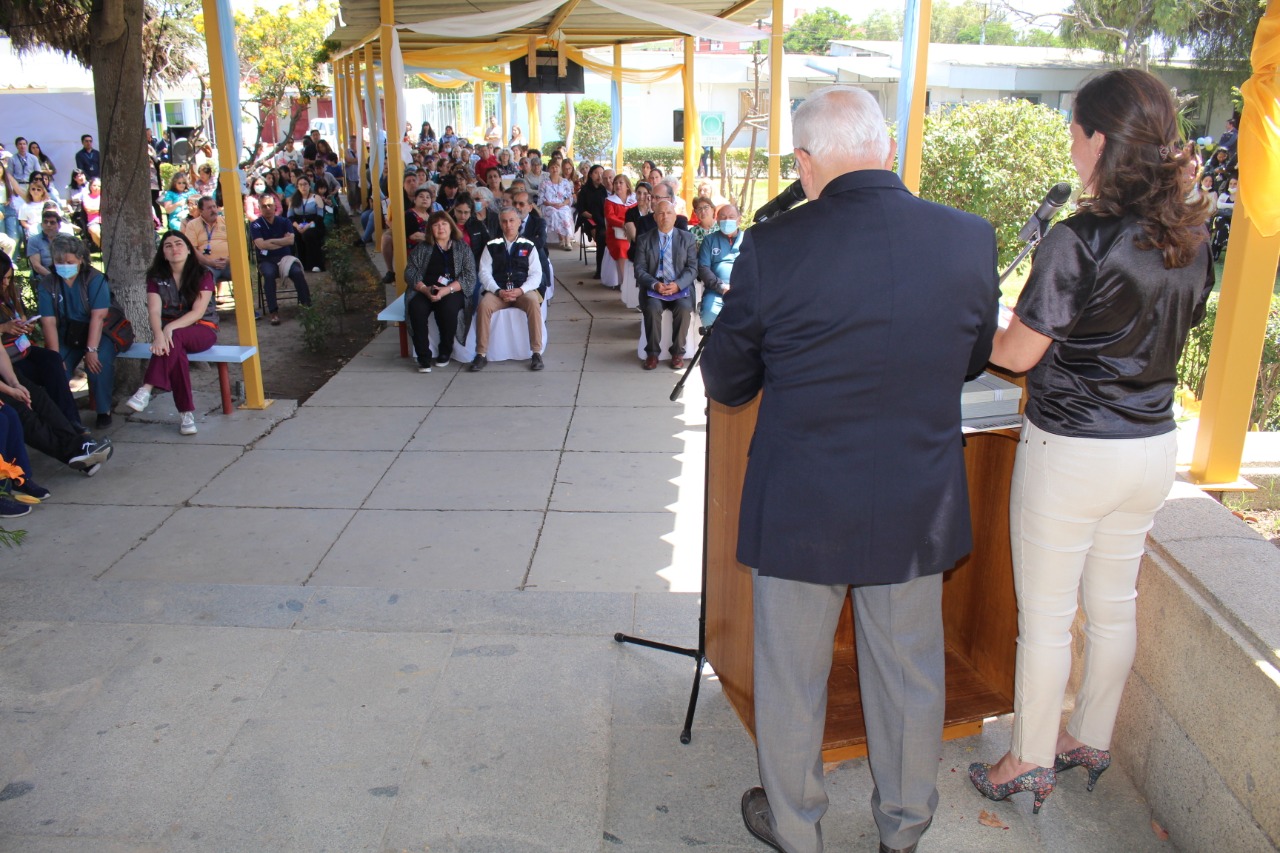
(650, 362)
(677, 362)
(755, 814)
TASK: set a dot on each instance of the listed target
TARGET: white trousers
(1079, 512)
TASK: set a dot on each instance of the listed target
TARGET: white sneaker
(444, 363)
(424, 368)
(140, 400)
(188, 426)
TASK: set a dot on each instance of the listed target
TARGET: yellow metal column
(338, 74)
(375, 192)
(775, 98)
(1238, 335)
(391, 97)
(478, 107)
(689, 180)
(1249, 273)
(617, 78)
(911, 149)
(355, 123)
(233, 205)
(504, 94)
(535, 124)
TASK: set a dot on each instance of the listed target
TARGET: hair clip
(1164, 152)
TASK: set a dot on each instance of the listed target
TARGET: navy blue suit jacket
(858, 315)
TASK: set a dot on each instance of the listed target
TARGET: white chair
(508, 335)
(629, 291)
(462, 350)
(691, 340)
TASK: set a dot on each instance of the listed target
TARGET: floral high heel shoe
(1094, 760)
(1039, 782)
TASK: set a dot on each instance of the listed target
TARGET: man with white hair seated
(856, 318)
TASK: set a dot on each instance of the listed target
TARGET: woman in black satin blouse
(1099, 328)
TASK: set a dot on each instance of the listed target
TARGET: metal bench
(219, 354)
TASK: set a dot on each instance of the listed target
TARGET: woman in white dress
(557, 208)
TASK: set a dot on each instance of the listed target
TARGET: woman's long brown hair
(1144, 170)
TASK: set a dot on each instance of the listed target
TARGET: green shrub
(592, 127)
(667, 158)
(349, 271)
(166, 175)
(996, 159)
(1194, 364)
(317, 324)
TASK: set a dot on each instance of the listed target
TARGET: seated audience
(183, 320)
(174, 200)
(273, 239)
(73, 304)
(616, 208)
(590, 207)
(306, 212)
(440, 277)
(207, 233)
(557, 207)
(719, 250)
(510, 277)
(666, 267)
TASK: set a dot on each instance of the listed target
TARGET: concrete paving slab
(617, 482)
(666, 796)
(331, 428)
(318, 479)
(240, 428)
(138, 475)
(596, 615)
(56, 546)
(356, 678)
(515, 388)
(432, 550)
(344, 781)
(253, 546)
(651, 689)
(669, 617)
(558, 357)
(476, 428)
(57, 667)
(626, 388)
(658, 429)
(177, 672)
(460, 480)
(576, 329)
(45, 844)
(506, 762)
(604, 551)
(117, 777)
(380, 390)
(618, 357)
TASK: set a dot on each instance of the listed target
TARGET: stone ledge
(1198, 725)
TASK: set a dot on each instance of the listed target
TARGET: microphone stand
(699, 652)
(1042, 228)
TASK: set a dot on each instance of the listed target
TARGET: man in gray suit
(666, 266)
(856, 317)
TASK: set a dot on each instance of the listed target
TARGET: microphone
(1055, 199)
(786, 200)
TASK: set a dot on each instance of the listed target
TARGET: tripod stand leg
(686, 734)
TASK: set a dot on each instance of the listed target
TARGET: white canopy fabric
(682, 20)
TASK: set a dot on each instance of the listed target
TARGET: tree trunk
(128, 235)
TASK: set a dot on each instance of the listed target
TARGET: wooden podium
(979, 610)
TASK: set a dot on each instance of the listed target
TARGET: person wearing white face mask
(719, 250)
(73, 304)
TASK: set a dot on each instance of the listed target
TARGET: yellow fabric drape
(535, 124)
(1259, 140)
(442, 82)
(471, 60)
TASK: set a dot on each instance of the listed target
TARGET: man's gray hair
(841, 123)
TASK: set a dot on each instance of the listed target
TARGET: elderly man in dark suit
(858, 316)
(666, 266)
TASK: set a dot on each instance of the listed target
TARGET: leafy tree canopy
(995, 159)
(814, 32)
(592, 127)
(966, 22)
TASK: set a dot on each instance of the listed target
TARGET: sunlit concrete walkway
(383, 621)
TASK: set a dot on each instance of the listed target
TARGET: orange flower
(11, 471)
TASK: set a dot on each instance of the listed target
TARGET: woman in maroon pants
(183, 320)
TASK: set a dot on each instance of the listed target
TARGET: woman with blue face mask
(73, 304)
(719, 249)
